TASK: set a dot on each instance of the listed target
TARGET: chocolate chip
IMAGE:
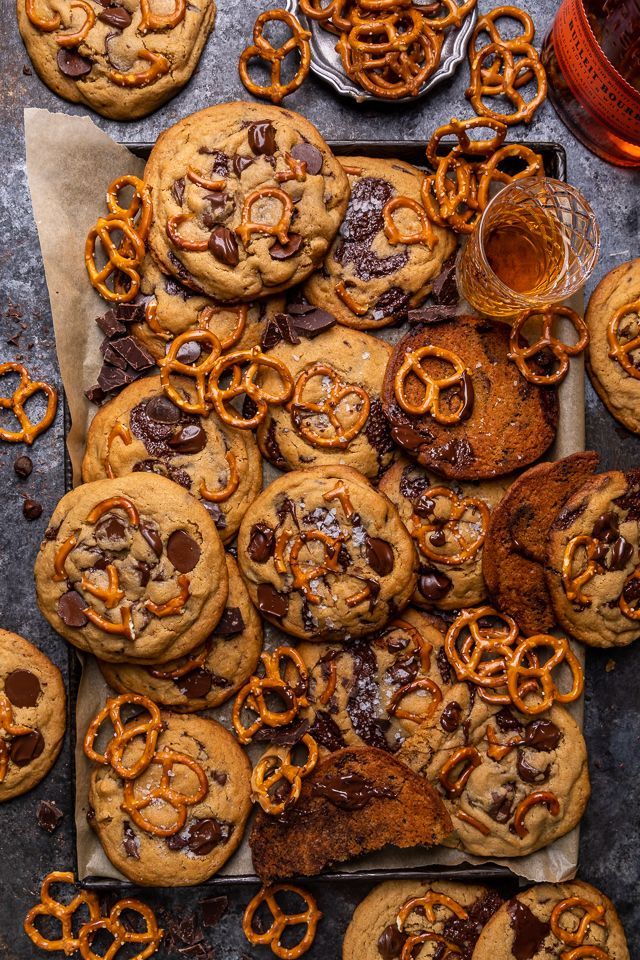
(177, 191)
(529, 773)
(112, 528)
(196, 684)
(262, 138)
(529, 933)
(271, 602)
(213, 910)
(288, 735)
(224, 246)
(205, 835)
(451, 716)
(431, 315)
(73, 65)
(506, 721)
(407, 437)
(189, 439)
(95, 395)
(261, 543)
(31, 509)
(189, 352)
(116, 17)
(183, 551)
(307, 153)
(130, 842)
(240, 164)
(542, 735)
(152, 537)
(71, 607)
(391, 942)
(22, 688)
(231, 623)
(162, 410)
(379, 555)
(26, 748)
(216, 206)
(285, 251)
(49, 816)
(434, 586)
(23, 466)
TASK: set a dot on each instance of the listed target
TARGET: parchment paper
(70, 163)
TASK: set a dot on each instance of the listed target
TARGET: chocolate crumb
(49, 815)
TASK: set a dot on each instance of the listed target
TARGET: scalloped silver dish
(326, 63)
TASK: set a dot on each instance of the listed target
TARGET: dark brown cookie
(486, 421)
(514, 553)
(356, 801)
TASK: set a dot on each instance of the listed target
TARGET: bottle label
(591, 77)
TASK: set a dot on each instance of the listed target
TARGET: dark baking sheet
(411, 151)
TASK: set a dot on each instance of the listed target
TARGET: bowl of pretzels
(394, 50)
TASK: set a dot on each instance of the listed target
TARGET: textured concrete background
(611, 830)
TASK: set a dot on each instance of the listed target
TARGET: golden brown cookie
(132, 570)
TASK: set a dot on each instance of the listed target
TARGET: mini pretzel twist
(424, 234)
(470, 758)
(276, 771)
(520, 353)
(401, 72)
(75, 39)
(47, 25)
(454, 16)
(198, 371)
(622, 351)
(420, 683)
(573, 583)
(280, 230)
(160, 66)
(121, 932)
(124, 258)
(495, 642)
(134, 804)
(505, 80)
(592, 913)
(422, 529)
(303, 578)
(427, 904)
(244, 382)
(490, 171)
(385, 34)
(272, 937)
(430, 403)
(151, 22)
(547, 689)
(537, 798)
(335, 390)
(124, 734)
(486, 23)
(66, 943)
(252, 696)
(26, 388)
(276, 91)
(466, 144)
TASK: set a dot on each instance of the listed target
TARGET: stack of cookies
(413, 580)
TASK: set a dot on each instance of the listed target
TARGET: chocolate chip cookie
(398, 910)
(449, 523)
(123, 60)
(554, 920)
(456, 403)
(515, 550)
(171, 309)
(132, 570)
(335, 415)
(386, 254)
(613, 320)
(593, 563)
(209, 675)
(512, 784)
(136, 837)
(33, 711)
(325, 556)
(246, 199)
(142, 431)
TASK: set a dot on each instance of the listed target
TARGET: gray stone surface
(611, 836)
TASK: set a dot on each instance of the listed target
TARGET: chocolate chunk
(500, 808)
(542, 735)
(307, 153)
(451, 716)
(379, 555)
(458, 452)
(110, 324)
(49, 815)
(262, 138)
(31, 509)
(183, 551)
(131, 350)
(73, 65)
(111, 379)
(95, 394)
(111, 356)
(350, 791)
(224, 246)
(407, 437)
(445, 288)
(152, 537)
(529, 933)
(240, 164)
(26, 748)
(327, 732)
(444, 667)
(362, 222)
(231, 623)
(391, 942)
(205, 835)
(529, 773)
(262, 542)
(288, 735)
(377, 429)
(312, 323)
(213, 910)
(433, 585)
(189, 352)
(363, 704)
(606, 527)
(216, 514)
(284, 251)
(621, 553)
(278, 329)
(431, 315)
(196, 684)
(162, 410)
(506, 721)
(71, 607)
(190, 438)
(112, 528)
(271, 602)
(23, 466)
(130, 842)
(177, 190)
(22, 688)
(116, 17)
(394, 303)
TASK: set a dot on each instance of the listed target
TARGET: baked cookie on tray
(209, 675)
(142, 431)
(33, 710)
(335, 415)
(512, 783)
(554, 920)
(246, 199)
(209, 793)
(458, 405)
(325, 556)
(123, 60)
(613, 356)
(449, 522)
(132, 570)
(515, 549)
(440, 913)
(386, 254)
(593, 561)
(378, 690)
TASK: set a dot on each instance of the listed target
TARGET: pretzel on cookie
(547, 691)
(394, 708)
(336, 391)
(521, 352)
(423, 529)
(424, 234)
(243, 382)
(151, 22)
(280, 229)
(286, 680)
(482, 655)
(134, 803)
(75, 38)
(262, 49)
(537, 798)
(26, 389)
(159, 67)
(272, 936)
(276, 780)
(621, 351)
(430, 402)
(574, 582)
(469, 758)
(123, 259)
(198, 371)
(591, 913)
(124, 733)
